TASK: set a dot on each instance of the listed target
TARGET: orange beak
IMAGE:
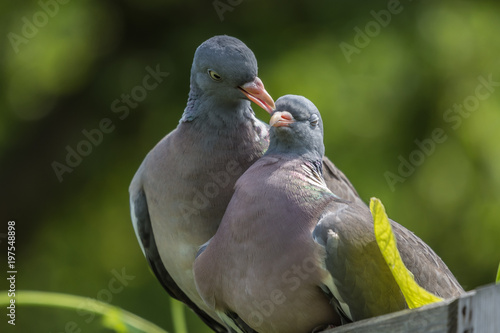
(281, 119)
(256, 92)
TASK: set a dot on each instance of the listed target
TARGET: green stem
(498, 274)
(178, 318)
(41, 298)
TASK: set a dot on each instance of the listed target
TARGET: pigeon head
(225, 72)
(296, 128)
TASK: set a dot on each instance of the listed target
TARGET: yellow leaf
(414, 295)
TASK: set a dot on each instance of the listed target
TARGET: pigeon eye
(314, 120)
(214, 75)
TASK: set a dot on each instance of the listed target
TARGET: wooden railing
(477, 311)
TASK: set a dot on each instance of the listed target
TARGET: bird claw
(322, 328)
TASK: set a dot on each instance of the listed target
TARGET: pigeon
(294, 255)
(180, 191)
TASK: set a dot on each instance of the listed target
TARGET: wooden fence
(477, 311)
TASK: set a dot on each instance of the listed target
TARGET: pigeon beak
(281, 119)
(255, 91)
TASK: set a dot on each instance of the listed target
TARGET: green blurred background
(62, 74)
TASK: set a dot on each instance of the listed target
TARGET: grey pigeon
(180, 192)
(291, 255)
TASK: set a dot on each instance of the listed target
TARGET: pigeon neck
(210, 108)
(190, 111)
(226, 128)
(303, 152)
(296, 143)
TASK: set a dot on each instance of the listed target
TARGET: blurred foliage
(80, 57)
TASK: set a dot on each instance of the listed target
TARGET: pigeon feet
(322, 328)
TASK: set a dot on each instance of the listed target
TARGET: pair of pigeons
(250, 225)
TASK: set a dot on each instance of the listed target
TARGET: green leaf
(498, 274)
(113, 319)
(415, 295)
(178, 317)
(119, 320)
